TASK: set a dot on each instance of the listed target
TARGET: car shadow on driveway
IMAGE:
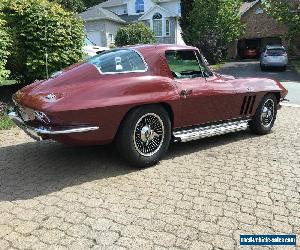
(39, 168)
(251, 68)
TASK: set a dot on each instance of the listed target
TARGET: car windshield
(275, 52)
(118, 61)
(88, 42)
(186, 64)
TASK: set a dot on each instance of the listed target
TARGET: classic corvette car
(142, 98)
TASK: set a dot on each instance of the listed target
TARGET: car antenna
(46, 53)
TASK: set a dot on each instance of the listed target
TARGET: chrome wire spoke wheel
(268, 112)
(148, 135)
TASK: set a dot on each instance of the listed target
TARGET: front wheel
(265, 115)
(144, 135)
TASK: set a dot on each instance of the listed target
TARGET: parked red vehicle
(251, 53)
(142, 98)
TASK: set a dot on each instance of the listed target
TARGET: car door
(223, 99)
(203, 97)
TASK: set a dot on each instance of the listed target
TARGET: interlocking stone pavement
(203, 195)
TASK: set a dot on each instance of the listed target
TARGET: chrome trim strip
(46, 131)
(186, 135)
(20, 123)
(35, 132)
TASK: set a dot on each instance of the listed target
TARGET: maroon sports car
(142, 98)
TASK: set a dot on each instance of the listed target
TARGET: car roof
(275, 47)
(160, 47)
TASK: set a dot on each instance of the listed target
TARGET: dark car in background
(251, 53)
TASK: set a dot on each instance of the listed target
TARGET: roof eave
(102, 18)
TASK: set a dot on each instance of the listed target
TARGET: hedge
(5, 43)
(39, 28)
(137, 33)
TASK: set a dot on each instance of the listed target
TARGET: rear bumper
(38, 133)
(268, 63)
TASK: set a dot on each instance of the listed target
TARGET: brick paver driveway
(203, 195)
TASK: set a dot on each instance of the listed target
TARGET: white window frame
(161, 24)
(135, 7)
(111, 38)
(167, 27)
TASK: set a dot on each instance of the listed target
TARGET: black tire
(262, 68)
(265, 115)
(135, 136)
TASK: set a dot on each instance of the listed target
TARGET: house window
(157, 24)
(139, 6)
(167, 27)
(110, 38)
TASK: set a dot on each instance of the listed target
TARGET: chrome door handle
(185, 93)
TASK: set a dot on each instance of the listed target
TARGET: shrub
(39, 28)
(211, 26)
(71, 5)
(4, 45)
(137, 33)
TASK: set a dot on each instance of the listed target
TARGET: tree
(72, 5)
(211, 26)
(46, 38)
(287, 12)
(5, 43)
(91, 3)
(137, 33)
(185, 23)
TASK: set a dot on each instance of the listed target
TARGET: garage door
(95, 37)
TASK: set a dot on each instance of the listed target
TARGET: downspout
(176, 30)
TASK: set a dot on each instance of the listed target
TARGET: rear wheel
(265, 115)
(144, 135)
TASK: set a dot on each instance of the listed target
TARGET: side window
(186, 64)
(118, 61)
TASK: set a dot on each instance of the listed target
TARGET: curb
(290, 105)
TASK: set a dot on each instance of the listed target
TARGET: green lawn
(296, 63)
(216, 67)
(5, 122)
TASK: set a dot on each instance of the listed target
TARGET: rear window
(118, 61)
(275, 52)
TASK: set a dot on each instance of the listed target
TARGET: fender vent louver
(248, 105)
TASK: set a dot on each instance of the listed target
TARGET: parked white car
(274, 56)
(90, 49)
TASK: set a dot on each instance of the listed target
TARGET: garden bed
(5, 121)
(296, 64)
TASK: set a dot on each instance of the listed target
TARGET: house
(261, 29)
(104, 20)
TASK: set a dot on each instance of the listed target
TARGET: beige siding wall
(104, 27)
